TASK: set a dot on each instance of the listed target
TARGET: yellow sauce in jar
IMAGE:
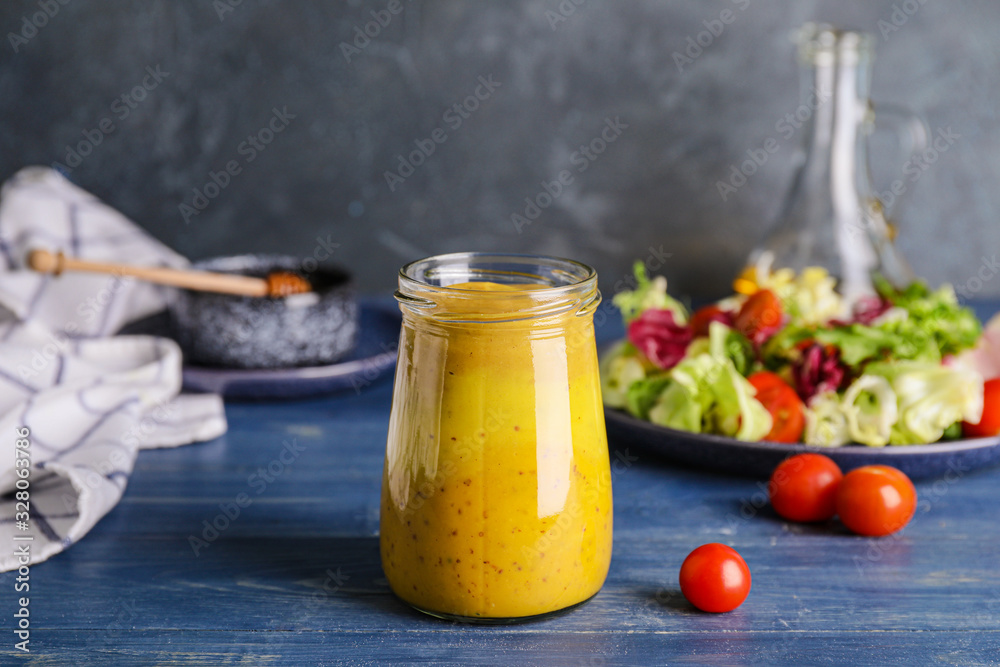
(496, 494)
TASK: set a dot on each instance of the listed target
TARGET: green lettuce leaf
(826, 423)
(727, 343)
(859, 344)
(620, 367)
(680, 407)
(780, 349)
(931, 397)
(935, 314)
(648, 294)
(953, 432)
(922, 326)
(643, 394)
(706, 393)
(870, 407)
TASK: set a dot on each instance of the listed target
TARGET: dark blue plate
(372, 359)
(758, 459)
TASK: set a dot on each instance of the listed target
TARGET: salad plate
(788, 365)
(758, 459)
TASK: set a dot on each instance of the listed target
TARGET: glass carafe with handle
(832, 217)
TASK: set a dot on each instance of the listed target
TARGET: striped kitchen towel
(76, 401)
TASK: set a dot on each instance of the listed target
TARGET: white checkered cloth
(90, 400)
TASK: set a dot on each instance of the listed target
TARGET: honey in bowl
(496, 494)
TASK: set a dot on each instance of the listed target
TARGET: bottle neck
(836, 91)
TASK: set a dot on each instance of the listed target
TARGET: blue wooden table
(293, 575)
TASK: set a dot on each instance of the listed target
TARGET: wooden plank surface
(295, 579)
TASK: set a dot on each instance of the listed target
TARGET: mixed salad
(788, 359)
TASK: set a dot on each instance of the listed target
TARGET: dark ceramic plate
(758, 459)
(371, 360)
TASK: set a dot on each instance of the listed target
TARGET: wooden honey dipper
(277, 283)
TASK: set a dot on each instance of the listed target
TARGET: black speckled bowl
(309, 329)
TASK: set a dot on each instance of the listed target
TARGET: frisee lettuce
(931, 397)
(869, 405)
(826, 423)
(923, 326)
(647, 294)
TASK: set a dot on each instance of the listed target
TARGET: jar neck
(485, 288)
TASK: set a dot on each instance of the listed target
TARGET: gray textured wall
(228, 65)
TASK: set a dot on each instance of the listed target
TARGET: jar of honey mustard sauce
(496, 494)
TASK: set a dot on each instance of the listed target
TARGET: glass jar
(496, 493)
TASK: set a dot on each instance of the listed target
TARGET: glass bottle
(832, 217)
(496, 494)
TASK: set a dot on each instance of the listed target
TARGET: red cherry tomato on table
(989, 425)
(760, 316)
(804, 487)
(876, 500)
(785, 406)
(715, 578)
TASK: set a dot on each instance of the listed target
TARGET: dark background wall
(226, 66)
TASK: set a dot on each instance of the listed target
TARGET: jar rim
(552, 284)
(579, 272)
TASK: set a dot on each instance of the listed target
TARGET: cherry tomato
(764, 380)
(989, 425)
(785, 406)
(804, 487)
(715, 578)
(876, 500)
(760, 316)
(706, 315)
